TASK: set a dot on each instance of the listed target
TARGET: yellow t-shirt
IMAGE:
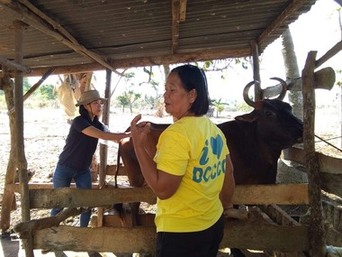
(195, 148)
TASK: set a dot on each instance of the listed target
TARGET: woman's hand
(139, 131)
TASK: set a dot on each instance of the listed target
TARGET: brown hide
(129, 159)
(255, 141)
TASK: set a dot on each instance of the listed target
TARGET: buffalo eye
(268, 113)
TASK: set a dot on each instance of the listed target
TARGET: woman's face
(94, 108)
(176, 99)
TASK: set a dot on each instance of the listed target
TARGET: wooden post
(256, 72)
(9, 201)
(35, 86)
(20, 152)
(103, 147)
(316, 228)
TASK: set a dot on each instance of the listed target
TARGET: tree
(48, 92)
(218, 105)
(292, 72)
(128, 98)
(123, 102)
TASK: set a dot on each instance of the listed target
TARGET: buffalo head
(274, 123)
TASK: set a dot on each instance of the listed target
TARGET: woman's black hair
(193, 77)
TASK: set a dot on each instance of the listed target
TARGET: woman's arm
(97, 133)
(227, 191)
(163, 184)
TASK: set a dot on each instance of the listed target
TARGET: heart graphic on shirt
(216, 145)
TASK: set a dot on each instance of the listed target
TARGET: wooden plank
(279, 215)
(271, 194)
(330, 169)
(244, 194)
(13, 65)
(265, 237)
(327, 164)
(72, 197)
(142, 239)
(331, 183)
(333, 237)
(15, 186)
(102, 239)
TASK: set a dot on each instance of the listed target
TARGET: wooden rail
(254, 233)
(330, 169)
(244, 194)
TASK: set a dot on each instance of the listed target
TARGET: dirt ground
(45, 131)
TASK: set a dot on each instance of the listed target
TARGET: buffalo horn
(248, 101)
(283, 88)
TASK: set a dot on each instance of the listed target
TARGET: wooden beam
(324, 79)
(25, 229)
(256, 71)
(56, 26)
(182, 10)
(316, 228)
(244, 194)
(258, 236)
(8, 200)
(332, 52)
(14, 65)
(271, 194)
(21, 162)
(330, 169)
(104, 147)
(212, 54)
(30, 19)
(263, 236)
(15, 187)
(72, 197)
(175, 25)
(327, 164)
(35, 86)
(279, 21)
(278, 215)
(178, 16)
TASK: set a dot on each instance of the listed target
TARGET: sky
(317, 30)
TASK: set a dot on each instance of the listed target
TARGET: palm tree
(218, 105)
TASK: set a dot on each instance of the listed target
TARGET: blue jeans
(63, 176)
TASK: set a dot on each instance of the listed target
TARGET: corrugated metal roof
(127, 33)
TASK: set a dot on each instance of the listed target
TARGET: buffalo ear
(249, 117)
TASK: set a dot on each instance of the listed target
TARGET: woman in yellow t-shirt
(191, 172)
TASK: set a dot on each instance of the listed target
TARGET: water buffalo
(255, 141)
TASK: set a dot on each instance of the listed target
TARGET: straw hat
(89, 96)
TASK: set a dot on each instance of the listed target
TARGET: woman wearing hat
(75, 159)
